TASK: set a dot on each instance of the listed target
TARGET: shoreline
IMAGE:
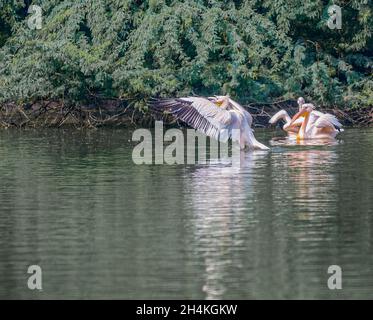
(116, 112)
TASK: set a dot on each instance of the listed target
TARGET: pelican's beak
(219, 102)
(298, 115)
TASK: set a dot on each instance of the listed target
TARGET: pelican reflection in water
(217, 196)
(228, 222)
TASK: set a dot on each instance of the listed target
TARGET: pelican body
(293, 126)
(316, 125)
(219, 117)
(291, 129)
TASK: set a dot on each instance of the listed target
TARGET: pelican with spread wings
(219, 117)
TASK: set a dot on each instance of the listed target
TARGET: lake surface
(99, 226)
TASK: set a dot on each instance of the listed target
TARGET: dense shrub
(255, 50)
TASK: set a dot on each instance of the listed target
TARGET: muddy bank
(59, 114)
(121, 113)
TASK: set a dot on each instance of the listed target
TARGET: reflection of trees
(303, 183)
(270, 229)
(308, 172)
(102, 227)
(74, 203)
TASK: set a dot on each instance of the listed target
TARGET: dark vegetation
(97, 62)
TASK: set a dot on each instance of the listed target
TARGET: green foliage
(10, 12)
(254, 50)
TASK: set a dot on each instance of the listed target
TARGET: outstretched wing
(200, 113)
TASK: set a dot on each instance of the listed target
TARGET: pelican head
(300, 102)
(222, 101)
(305, 110)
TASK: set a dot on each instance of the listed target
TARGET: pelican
(292, 129)
(218, 117)
(316, 125)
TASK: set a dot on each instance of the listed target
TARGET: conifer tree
(255, 50)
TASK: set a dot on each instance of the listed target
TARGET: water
(99, 226)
